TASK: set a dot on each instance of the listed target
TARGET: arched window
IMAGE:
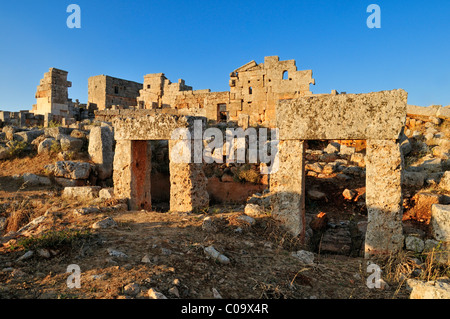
(285, 75)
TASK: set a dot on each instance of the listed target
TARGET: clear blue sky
(204, 41)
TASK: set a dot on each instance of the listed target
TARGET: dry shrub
(17, 219)
(402, 265)
(249, 175)
(276, 233)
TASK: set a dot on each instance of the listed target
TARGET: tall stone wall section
(104, 92)
(52, 93)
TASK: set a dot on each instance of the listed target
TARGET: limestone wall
(52, 93)
(105, 91)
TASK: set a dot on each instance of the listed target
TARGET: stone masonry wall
(106, 91)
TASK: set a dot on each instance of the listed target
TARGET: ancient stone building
(106, 92)
(255, 88)
(254, 91)
(52, 94)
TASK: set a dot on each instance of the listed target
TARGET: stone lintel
(379, 115)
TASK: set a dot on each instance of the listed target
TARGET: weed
(17, 148)
(53, 239)
(55, 147)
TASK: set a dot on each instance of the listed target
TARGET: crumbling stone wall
(104, 92)
(256, 88)
(254, 91)
(52, 93)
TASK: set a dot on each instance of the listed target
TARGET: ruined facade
(106, 92)
(52, 94)
(254, 92)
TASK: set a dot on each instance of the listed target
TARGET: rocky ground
(230, 251)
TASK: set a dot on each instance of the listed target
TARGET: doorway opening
(160, 176)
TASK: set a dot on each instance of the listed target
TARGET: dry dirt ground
(261, 263)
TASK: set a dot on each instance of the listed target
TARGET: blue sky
(202, 42)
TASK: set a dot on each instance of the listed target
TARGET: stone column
(101, 140)
(187, 179)
(132, 172)
(383, 197)
(287, 185)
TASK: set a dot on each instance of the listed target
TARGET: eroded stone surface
(288, 186)
(379, 115)
(383, 197)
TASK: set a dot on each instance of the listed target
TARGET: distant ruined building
(254, 92)
(52, 93)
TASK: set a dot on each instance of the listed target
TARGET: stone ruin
(377, 118)
(254, 92)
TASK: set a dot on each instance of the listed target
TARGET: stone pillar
(101, 140)
(187, 179)
(383, 197)
(48, 117)
(287, 185)
(132, 172)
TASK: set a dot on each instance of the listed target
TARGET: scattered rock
(315, 167)
(106, 193)
(349, 194)
(440, 222)
(414, 243)
(70, 169)
(71, 144)
(132, 289)
(445, 181)
(316, 195)
(116, 253)
(253, 210)
(86, 210)
(35, 180)
(208, 225)
(359, 159)
(429, 290)
(347, 150)
(174, 291)
(216, 294)
(306, 257)
(333, 147)
(44, 253)
(153, 294)
(247, 219)
(26, 256)
(213, 253)
(82, 192)
(146, 260)
(108, 222)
